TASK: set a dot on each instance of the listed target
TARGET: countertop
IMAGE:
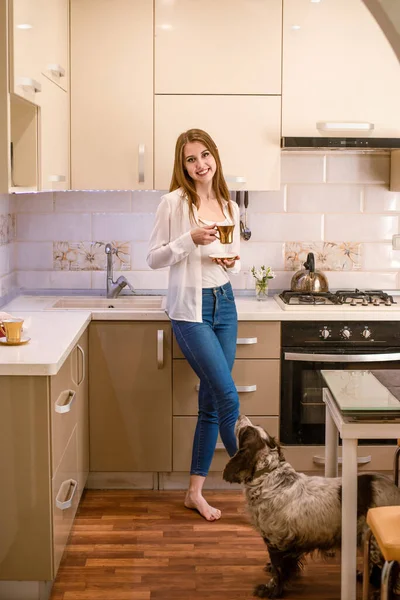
(54, 332)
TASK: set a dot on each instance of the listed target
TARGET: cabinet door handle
(344, 126)
(241, 341)
(239, 388)
(235, 179)
(219, 446)
(141, 150)
(64, 401)
(160, 349)
(28, 82)
(361, 460)
(57, 70)
(67, 491)
(55, 178)
(81, 350)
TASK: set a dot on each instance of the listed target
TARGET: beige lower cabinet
(43, 465)
(130, 396)
(312, 458)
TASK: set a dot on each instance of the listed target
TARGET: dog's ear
(242, 465)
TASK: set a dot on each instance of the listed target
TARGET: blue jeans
(210, 349)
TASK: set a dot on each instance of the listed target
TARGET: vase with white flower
(262, 277)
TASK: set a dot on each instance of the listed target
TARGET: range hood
(337, 143)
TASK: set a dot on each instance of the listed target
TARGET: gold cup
(13, 329)
(225, 233)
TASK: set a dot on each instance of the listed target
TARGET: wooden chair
(384, 525)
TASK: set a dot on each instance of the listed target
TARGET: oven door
(302, 414)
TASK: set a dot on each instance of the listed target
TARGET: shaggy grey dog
(295, 513)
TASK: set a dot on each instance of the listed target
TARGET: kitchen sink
(138, 303)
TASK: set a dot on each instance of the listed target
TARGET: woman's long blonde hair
(181, 179)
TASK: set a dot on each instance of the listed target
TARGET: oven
(308, 347)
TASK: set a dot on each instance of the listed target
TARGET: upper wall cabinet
(218, 47)
(111, 94)
(54, 46)
(246, 130)
(337, 66)
(27, 27)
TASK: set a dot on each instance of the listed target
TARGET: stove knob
(325, 333)
(346, 333)
(366, 333)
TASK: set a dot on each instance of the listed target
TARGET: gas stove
(341, 299)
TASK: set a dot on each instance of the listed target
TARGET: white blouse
(171, 245)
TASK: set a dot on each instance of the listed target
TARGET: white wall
(337, 205)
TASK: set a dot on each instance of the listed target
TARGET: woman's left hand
(228, 263)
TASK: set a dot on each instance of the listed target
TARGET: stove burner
(310, 299)
(353, 298)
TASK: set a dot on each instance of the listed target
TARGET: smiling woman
(200, 300)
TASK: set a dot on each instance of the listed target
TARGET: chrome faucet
(114, 288)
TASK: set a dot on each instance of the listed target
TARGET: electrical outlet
(396, 241)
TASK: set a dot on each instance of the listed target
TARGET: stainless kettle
(308, 279)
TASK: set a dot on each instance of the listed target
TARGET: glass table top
(360, 391)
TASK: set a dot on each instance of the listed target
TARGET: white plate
(228, 255)
(24, 340)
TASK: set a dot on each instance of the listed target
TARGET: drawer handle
(239, 388)
(28, 82)
(67, 490)
(219, 446)
(235, 179)
(241, 341)
(361, 460)
(56, 70)
(82, 352)
(56, 178)
(160, 349)
(64, 401)
(141, 151)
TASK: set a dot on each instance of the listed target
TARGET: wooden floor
(130, 545)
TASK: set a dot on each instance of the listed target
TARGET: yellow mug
(225, 233)
(12, 329)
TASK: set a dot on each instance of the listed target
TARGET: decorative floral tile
(90, 256)
(7, 228)
(329, 256)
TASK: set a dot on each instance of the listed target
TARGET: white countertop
(53, 336)
(54, 332)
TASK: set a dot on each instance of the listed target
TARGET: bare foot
(197, 502)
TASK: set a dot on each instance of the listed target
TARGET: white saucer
(228, 255)
(24, 340)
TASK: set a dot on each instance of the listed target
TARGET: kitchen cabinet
(54, 62)
(43, 468)
(27, 28)
(111, 94)
(54, 137)
(130, 396)
(338, 66)
(256, 373)
(208, 47)
(246, 130)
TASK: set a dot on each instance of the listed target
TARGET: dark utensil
(238, 198)
(244, 230)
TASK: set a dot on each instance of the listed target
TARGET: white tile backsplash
(378, 199)
(339, 198)
(130, 226)
(85, 201)
(324, 198)
(361, 228)
(302, 168)
(44, 227)
(284, 227)
(357, 168)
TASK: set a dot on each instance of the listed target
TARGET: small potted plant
(262, 277)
